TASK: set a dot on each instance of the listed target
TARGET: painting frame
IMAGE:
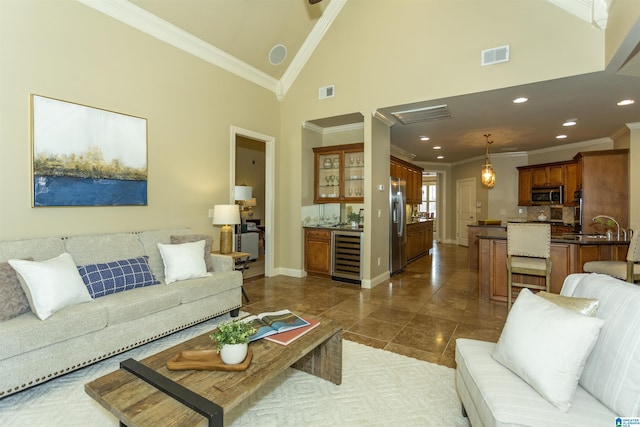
(86, 156)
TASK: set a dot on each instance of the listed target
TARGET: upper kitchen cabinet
(411, 175)
(547, 176)
(339, 173)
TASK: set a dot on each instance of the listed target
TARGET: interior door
(465, 208)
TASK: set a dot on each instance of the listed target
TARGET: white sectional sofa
(609, 384)
(35, 350)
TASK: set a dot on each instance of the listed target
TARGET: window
(428, 204)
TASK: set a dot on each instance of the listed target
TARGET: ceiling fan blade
(314, 1)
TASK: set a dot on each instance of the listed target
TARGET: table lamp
(225, 215)
(249, 205)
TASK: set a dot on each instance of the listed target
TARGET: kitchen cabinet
(567, 174)
(317, 251)
(605, 187)
(572, 181)
(419, 239)
(547, 176)
(339, 174)
(411, 175)
(524, 186)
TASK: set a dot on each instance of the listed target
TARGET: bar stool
(528, 253)
(627, 270)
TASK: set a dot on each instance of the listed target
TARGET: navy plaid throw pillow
(117, 276)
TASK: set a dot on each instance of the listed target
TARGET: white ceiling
(238, 35)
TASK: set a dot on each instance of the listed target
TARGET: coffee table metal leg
(212, 412)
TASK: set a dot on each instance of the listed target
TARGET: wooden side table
(240, 260)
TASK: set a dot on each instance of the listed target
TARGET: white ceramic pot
(354, 224)
(232, 354)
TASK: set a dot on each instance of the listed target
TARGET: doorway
(243, 142)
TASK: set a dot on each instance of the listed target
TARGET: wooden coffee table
(208, 395)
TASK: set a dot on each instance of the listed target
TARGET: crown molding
(384, 119)
(138, 18)
(334, 129)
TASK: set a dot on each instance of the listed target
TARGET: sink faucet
(611, 219)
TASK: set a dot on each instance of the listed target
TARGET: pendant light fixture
(488, 174)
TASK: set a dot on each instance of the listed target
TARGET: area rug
(378, 388)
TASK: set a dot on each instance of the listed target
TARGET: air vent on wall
(494, 55)
(422, 114)
(326, 92)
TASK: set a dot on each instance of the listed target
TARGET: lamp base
(226, 239)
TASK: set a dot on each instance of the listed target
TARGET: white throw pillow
(547, 346)
(183, 261)
(51, 285)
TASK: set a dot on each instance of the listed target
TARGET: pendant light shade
(488, 174)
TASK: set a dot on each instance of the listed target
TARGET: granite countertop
(340, 227)
(574, 238)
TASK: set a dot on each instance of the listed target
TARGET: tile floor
(419, 312)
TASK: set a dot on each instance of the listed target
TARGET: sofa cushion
(208, 241)
(26, 332)
(51, 285)
(138, 303)
(13, 301)
(612, 371)
(117, 276)
(581, 305)
(38, 249)
(494, 396)
(100, 248)
(183, 261)
(194, 289)
(547, 346)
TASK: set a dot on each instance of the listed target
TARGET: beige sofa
(34, 350)
(608, 387)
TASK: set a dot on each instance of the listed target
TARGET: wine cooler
(346, 265)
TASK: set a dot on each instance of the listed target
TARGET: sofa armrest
(222, 262)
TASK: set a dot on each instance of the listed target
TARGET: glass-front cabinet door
(339, 173)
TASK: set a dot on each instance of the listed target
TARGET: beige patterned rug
(379, 388)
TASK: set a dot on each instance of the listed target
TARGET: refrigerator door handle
(394, 212)
(401, 211)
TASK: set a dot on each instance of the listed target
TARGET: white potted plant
(232, 340)
(354, 219)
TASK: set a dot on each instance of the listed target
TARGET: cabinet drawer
(318, 234)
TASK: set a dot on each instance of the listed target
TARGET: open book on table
(274, 322)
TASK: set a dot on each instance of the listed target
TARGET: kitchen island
(569, 252)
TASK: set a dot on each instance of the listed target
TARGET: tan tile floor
(419, 312)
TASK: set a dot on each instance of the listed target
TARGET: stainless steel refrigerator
(397, 226)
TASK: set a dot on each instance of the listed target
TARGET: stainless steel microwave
(547, 195)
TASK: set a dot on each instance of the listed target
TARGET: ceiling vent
(495, 55)
(422, 114)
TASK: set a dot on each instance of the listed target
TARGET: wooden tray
(205, 360)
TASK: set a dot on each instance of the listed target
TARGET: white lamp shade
(243, 192)
(226, 214)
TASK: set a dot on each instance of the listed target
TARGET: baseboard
(371, 283)
(288, 272)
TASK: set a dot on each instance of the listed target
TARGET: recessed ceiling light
(440, 157)
(626, 102)
(520, 100)
(570, 122)
(561, 136)
(423, 138)
(436, 147)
